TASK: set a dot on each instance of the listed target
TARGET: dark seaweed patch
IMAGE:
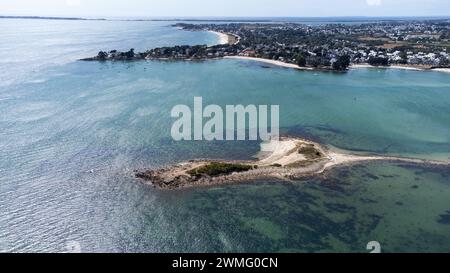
(371, 176)
(423, 169)
(368, 201)
(389, 176)
(445, 218)
(339, 207)
(375, 221)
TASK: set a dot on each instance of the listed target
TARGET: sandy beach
(223, 38)
(445, 70)
(267, 61)
(356, 66)
(402, 67)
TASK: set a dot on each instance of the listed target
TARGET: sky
(225, 8)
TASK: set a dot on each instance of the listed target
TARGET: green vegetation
(378, 61)
(301, 60)
(310, 152)
(130, 54)
(342, 63)
(102, 55)
(404, 58)
(218, 168)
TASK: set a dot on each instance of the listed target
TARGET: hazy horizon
(230, 8)
(223, 17)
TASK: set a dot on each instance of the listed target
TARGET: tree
(301, 60)
(342, 63)
(378, 61)
(314, 61)
(102, 55)
(130, 53)
(444, 62)
(404, 57)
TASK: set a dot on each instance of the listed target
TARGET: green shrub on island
(310, 152)
(217, 169)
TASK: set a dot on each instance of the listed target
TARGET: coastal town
(415, 44)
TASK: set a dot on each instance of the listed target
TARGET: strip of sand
(445, 70)
(356, 66)
(267, 61)
(223, 38)
(402, 67)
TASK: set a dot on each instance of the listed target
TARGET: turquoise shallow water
(71, 133)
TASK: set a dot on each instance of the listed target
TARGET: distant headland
(52, 18)
(421, 45)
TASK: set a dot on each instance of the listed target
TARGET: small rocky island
(286, 159)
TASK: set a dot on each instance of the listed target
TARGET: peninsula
(421, 45)
(286, 159)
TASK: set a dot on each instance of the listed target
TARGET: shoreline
(443, 70)
(356, 66)
(287, 159)
(278, 63)
(223, 38)
(272, 62)
(226, 38)
(353, 66)
(401, 67)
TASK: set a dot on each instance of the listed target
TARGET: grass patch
(218, 169)
(310, 152)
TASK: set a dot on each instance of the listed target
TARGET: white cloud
(374, 2)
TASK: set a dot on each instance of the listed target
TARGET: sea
(72, 134)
